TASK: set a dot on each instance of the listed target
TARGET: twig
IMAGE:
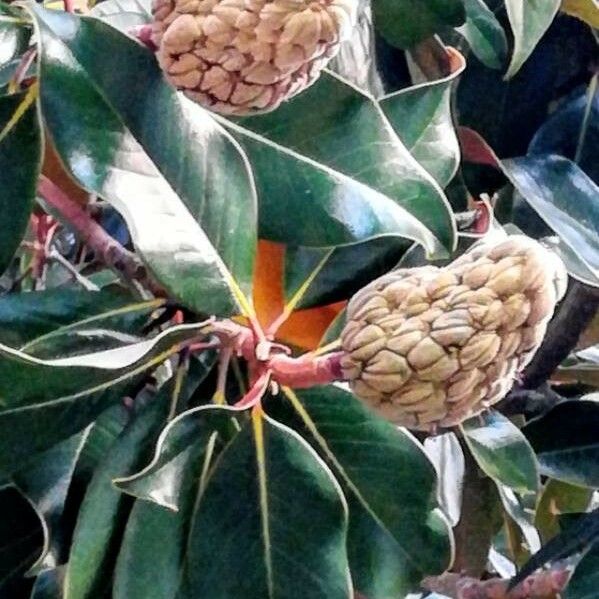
(545, 584)
(224, 359)
(22, 68)
(574, 314)
(584, 127)
(109, 251)
(84, 281)
(529, 402)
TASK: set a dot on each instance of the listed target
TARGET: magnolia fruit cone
(429, 347)
(245, 56)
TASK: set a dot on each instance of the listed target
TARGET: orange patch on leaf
(269, 270)
(303, 328)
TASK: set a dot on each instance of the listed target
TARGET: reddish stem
(143, 33)
(107, 249)
(258, 389)
(23, 66)
(544, 584)
(305, 372)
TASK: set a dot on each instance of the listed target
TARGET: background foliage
(121, 473)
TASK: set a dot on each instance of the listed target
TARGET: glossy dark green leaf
(405, 22)
(151, 553)
(32, 316)
(46, 401)
(20, 155)
(45, 481)
(158, 177)
(397, 534)
(333, 333)
(508, 113)
(502, 451)
(193, 437)
(346, 270)
(564, 197)
(484, 34)
(522, 514)
(101, 436)
(104, 507)
(337, 196)
(27, 381)
(529, 20)
(14, 37)
(154, 545)
(585, 580)
(279, 518)
(447, 455)
(572, 131)
(421, 116)
(21, 535)
(575, 537)
(566, 442)
(123, 14)
(49, 585)
(556, 499)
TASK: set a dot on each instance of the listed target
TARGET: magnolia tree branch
(109, 251)
(575, 312)
(529, 402)
(545, 584)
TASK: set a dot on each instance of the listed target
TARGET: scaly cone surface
(245, 56)
(428, 347)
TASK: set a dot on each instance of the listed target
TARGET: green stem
(586, 119)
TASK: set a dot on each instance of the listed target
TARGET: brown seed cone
(246, 56)
(429, 347)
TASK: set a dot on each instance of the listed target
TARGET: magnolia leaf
(529, 20)
(421, 117)
(576, 537)
(274, 543)
(49, 585)
(446, 454)
(502, 451)
(404, 23)
(123, 14)
(564, 197)
(45, 481)
(584, 581)
(28, 320)
(299, 154)
(522, 516)
(159, 178)
(556, 499)
(484, 34)
(587, 10)
(20, 161)
(104, 507)
(566, 443)
(394, 517)
(152, 551)
(193, 437)
(38, 396)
